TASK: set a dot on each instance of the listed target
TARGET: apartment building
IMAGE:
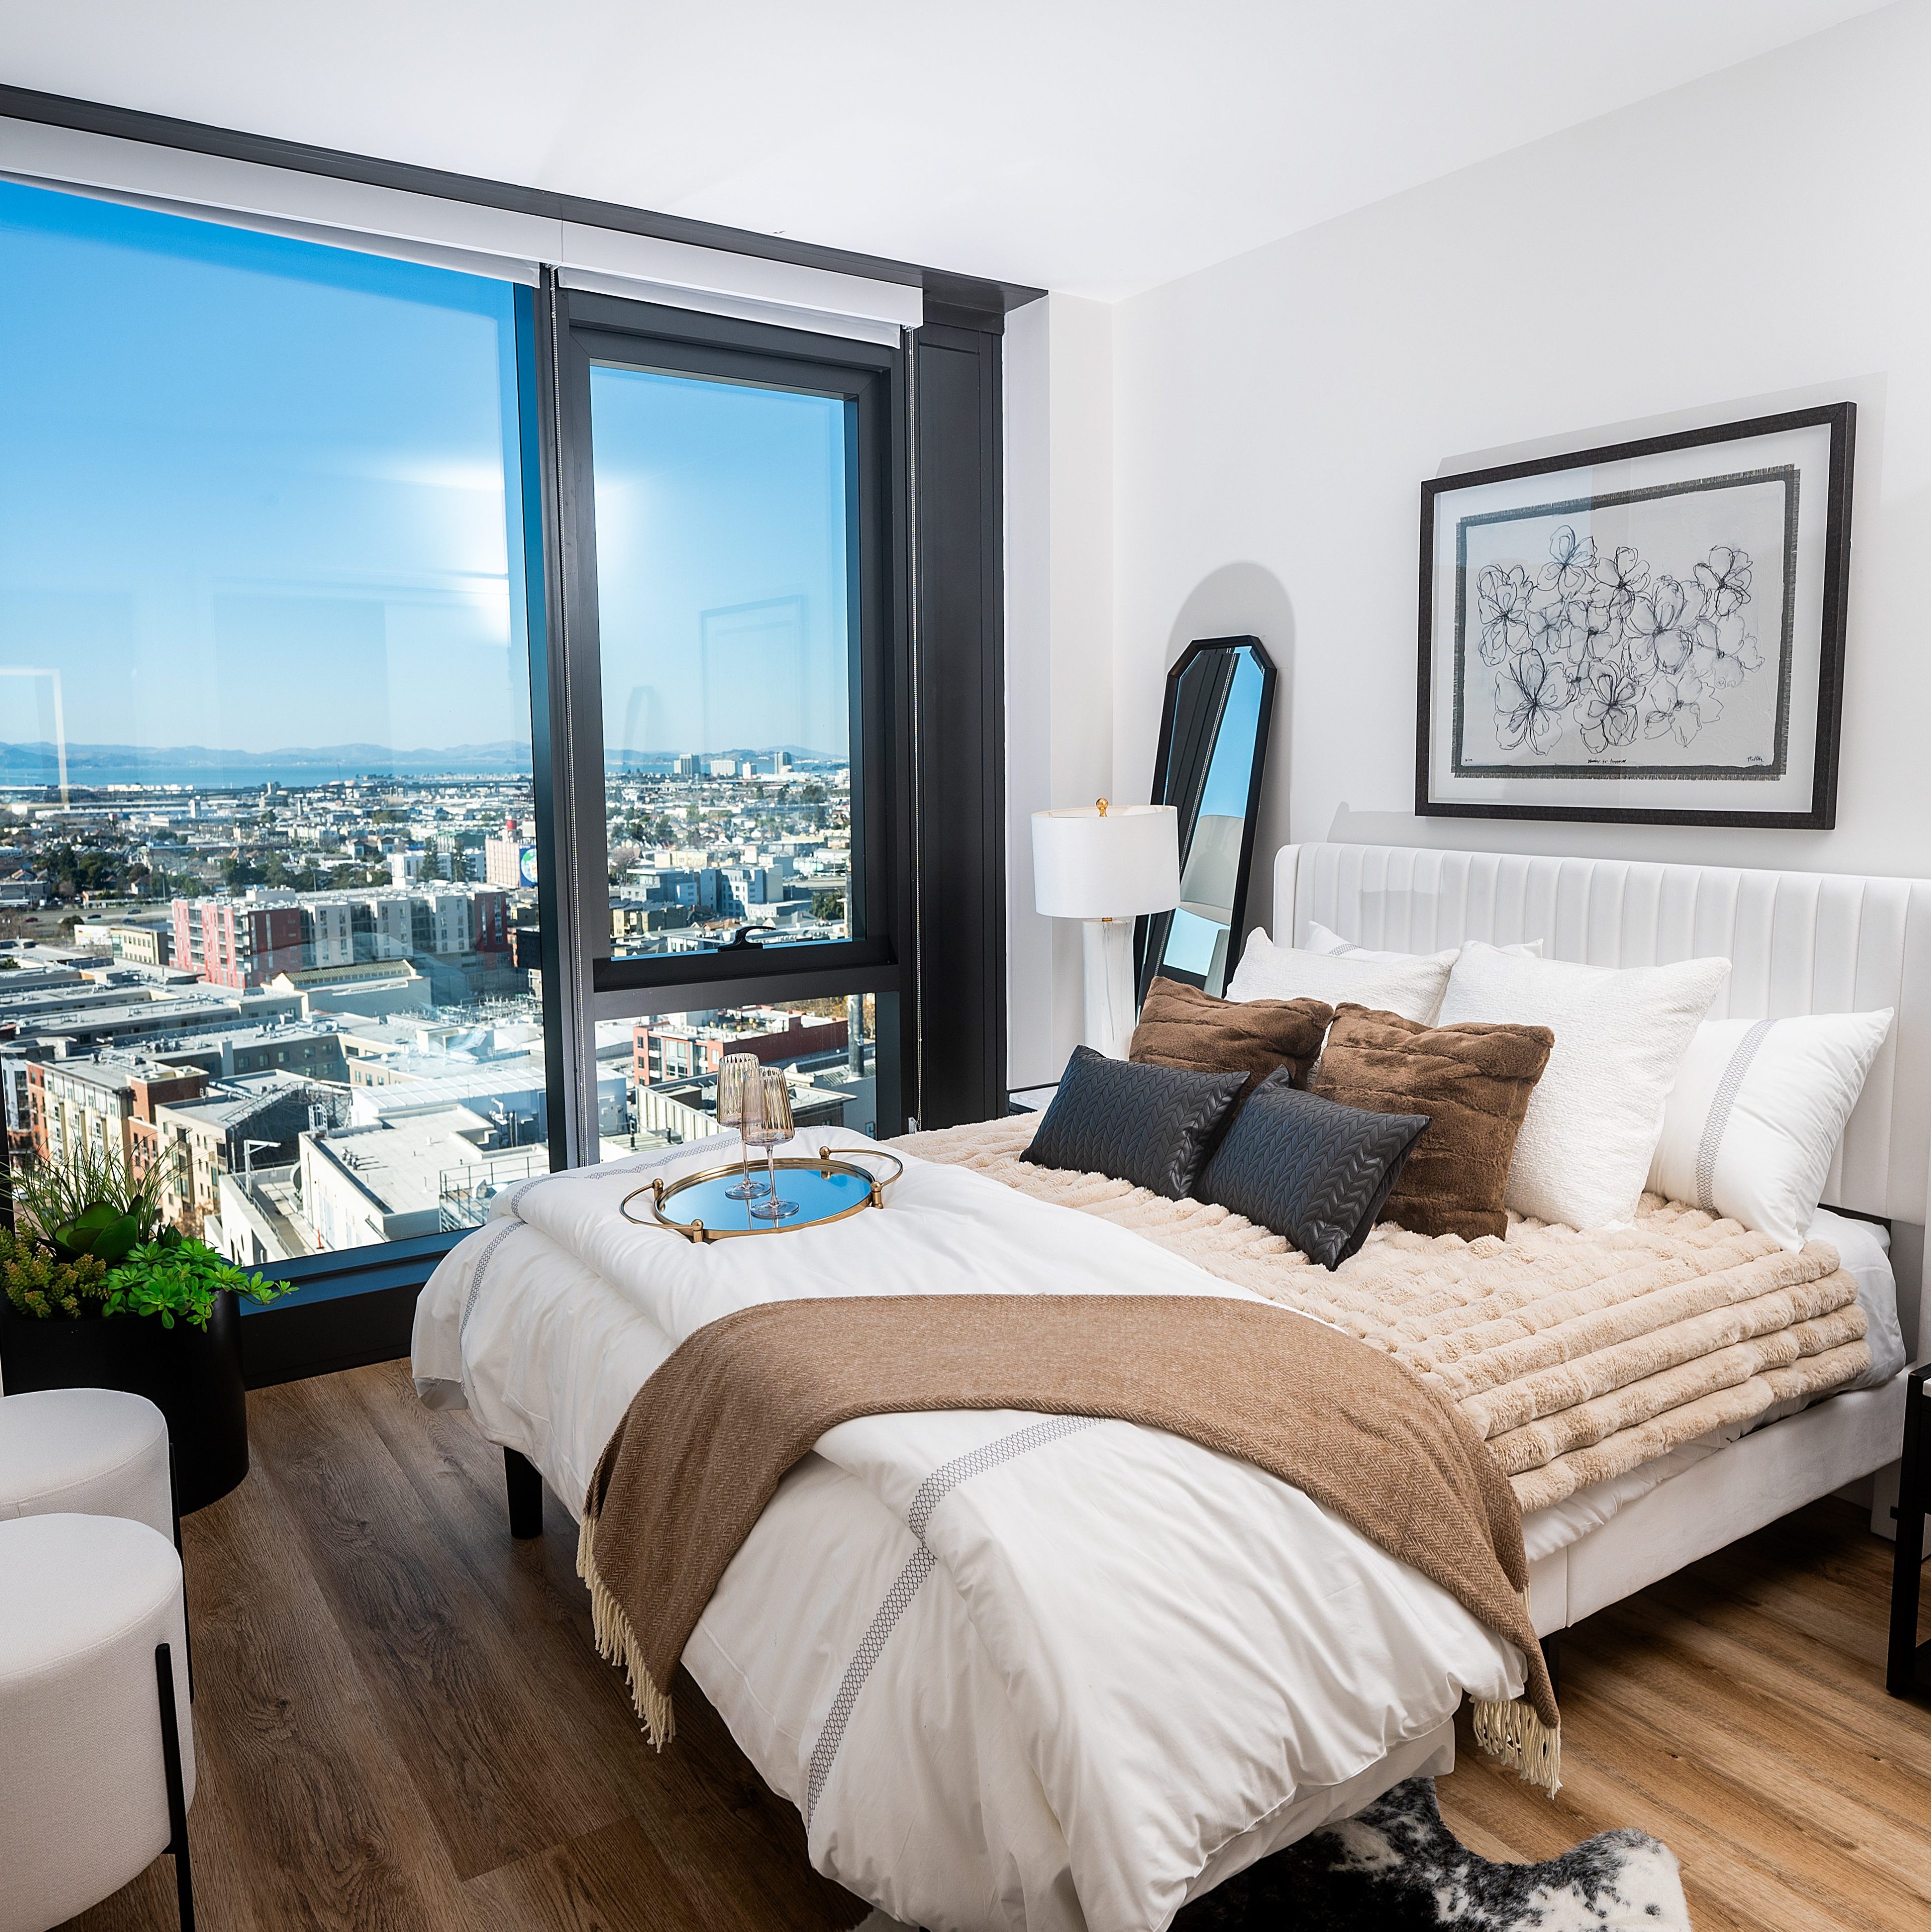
(104, 1103)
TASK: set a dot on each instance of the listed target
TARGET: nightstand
(1030, 1099)
(1909, 1671)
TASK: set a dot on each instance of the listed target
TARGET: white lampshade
(1114, 864)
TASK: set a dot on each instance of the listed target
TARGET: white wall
(1760, 238)
(1059, 642)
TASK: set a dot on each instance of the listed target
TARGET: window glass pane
(725, 544)
(658, 1076)
(265, 724)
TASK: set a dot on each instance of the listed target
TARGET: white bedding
(1117, 1669)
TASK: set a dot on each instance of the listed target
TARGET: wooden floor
(403, 1722)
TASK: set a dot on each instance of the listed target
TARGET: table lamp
(1105, 864)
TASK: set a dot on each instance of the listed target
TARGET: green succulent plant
(91, 1203)
(39, 1285)
(89, 1242)
(181, 1277)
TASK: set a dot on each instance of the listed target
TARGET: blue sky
(722, 561)
(253, 495)
(252, 490)
(1232, 770)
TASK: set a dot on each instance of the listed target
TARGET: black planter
(192, 1375)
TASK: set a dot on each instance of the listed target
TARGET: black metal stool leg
(526, 1494)
(177, 1845)
(1904, 1670)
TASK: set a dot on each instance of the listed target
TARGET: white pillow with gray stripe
(1756, 1113)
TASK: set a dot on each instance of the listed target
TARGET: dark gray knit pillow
(1309, 1168)
(1151, 1125)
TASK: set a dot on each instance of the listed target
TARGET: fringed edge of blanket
(616, 1642)
(1510, 1731)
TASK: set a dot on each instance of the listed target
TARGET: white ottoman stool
(96, 1746)
(85, 1452)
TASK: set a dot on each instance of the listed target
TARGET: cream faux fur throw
(1575, 1356)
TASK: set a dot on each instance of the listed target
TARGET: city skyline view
(36, 765)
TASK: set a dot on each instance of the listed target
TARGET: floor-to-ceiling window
(264, 722)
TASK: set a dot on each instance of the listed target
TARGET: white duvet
(1015, 1671)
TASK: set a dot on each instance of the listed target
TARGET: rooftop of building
(428, 1081)
(270, 1198)
(275, 1032)
(400, 1163)
(232, 1102)
(364, 972)
(115, 1068)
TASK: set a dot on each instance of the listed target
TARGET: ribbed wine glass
(741, 1104)
(774, 1127)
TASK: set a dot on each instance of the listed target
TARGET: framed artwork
(1649, 633)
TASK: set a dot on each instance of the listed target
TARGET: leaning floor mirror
(1213, 745)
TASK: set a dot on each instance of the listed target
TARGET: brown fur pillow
(1474, 1082)
(1181, 1026)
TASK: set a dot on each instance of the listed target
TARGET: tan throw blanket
(704, 1443)
(1575, 1356)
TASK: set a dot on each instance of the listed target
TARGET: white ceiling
(1096, 146)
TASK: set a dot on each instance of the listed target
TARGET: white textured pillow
(1411, 988)
(1756, 1113)
(1324, 939)
(1583, 1150)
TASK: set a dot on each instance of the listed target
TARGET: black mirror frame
(1147, 956)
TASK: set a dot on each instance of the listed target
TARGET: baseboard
(321, 1336)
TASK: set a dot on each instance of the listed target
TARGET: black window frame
(597, 329)
(577, 328)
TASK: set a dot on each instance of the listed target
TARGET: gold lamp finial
(1101, 803)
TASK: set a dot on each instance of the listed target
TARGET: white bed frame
(1797, 943)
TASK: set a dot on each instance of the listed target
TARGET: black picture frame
(1840, 419)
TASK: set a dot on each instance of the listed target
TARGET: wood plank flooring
(404, 1726)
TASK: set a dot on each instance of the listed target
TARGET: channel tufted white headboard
(1797, 942)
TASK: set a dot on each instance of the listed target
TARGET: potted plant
(101, 1293)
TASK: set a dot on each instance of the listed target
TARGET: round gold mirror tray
(828, 1189)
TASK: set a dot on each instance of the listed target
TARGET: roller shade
(479, 240)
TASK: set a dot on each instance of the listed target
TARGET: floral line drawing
(1604, 643)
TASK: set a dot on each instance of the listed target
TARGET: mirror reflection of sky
(722, 558)
(1191, 939)
(254, 493)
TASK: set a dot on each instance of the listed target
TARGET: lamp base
(1108, 947)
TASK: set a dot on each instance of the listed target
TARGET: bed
(1798, 942)
(927, 1748)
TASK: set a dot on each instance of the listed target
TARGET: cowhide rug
(1397, 1867)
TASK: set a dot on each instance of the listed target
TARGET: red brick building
(660, 1051)
(489, 922)
(106, 1101)
(237, 946)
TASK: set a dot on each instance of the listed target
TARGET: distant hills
(36, 764)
